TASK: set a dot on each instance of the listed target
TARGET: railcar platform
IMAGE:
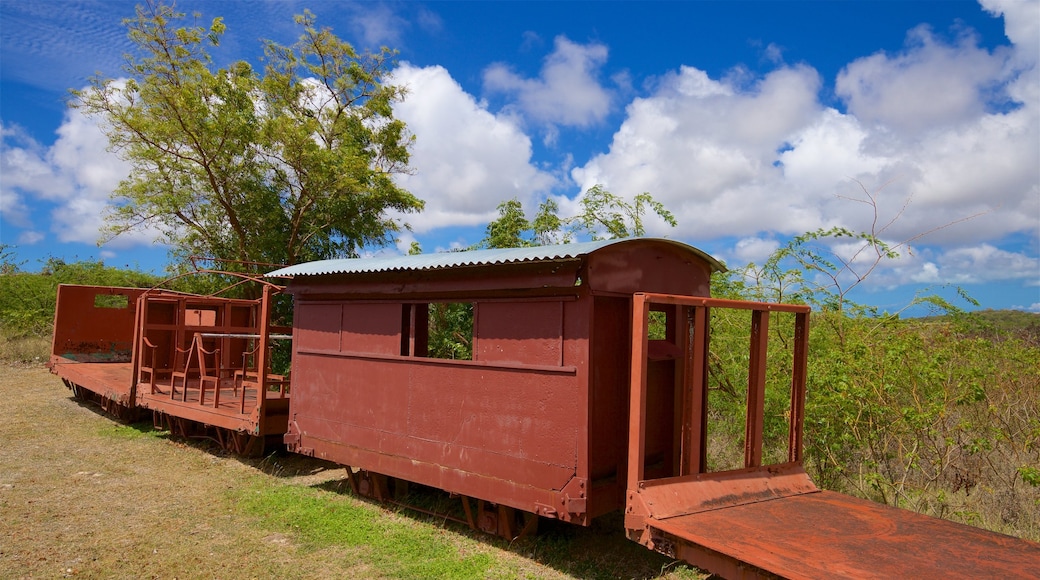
(229, 406)
(831, 535)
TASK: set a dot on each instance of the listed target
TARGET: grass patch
(31, 349)
(417, 546)
(130, 432)
(398, 549)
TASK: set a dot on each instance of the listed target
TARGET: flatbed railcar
(584, 391)
(196, 363)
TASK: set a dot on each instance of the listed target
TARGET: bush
(27, 302)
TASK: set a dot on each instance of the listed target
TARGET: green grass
(130, 432)
(383, 543)
(397, 548)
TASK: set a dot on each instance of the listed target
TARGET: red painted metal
(765, 521)
(184, 357)
(206, 359)
(93, 341)
(829, 535)
(530, 422)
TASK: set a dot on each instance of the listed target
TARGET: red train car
(199, 364)
(578, 386)
(534, 418)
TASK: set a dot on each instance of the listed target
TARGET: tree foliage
(603, 215)
(290, 165)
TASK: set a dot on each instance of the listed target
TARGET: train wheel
(503, 521)
(371, 485)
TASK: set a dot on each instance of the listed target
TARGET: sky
(752, 122)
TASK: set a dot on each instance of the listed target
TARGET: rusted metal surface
(207, 360)
(512, 425)
(765, 521)
(830, 535)
(189, 359)
(92, 344)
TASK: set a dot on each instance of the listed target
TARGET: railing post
(756, 392)
(798, 377)
(637, 392)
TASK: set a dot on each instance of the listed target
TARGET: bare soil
(83, 495)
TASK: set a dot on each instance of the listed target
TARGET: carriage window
(658, 326)
(449, 330)
(111, 301)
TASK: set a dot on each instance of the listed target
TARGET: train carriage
(526, 419)
(199, 364)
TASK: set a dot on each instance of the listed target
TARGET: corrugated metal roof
(456, 259)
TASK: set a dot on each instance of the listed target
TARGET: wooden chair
(211, 372)
(187, 355)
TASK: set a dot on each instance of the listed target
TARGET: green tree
(292, 165)
(603, 215)
(511, 228)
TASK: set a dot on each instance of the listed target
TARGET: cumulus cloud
(72, 180)
(928, 86)
(567, 92)
(707, 149)
(755, 249)
(465, 159)
(940, 138)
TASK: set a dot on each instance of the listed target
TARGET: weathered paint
(191, 358)
(528, 422)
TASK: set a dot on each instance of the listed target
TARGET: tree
(509, 229)
(603, 216)
(293, 165)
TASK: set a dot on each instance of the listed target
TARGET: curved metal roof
(443, 260)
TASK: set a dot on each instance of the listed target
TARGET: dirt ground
(83, 495)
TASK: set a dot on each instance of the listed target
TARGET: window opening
(728, 368)
(450, 330)
(111, 301)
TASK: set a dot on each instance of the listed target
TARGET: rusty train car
(199, 364)
(583, 391)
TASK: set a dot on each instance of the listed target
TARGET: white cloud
(755, 250)
(987, 263)
(567, 92)
(72, 179)
(1021, 26)
(930, 85)
(706, 149)
(465, 159)
(378, 24)
(937, 133)
(966, 265)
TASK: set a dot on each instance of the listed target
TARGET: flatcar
(576, 385)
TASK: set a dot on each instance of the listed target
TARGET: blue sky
(750, 121)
